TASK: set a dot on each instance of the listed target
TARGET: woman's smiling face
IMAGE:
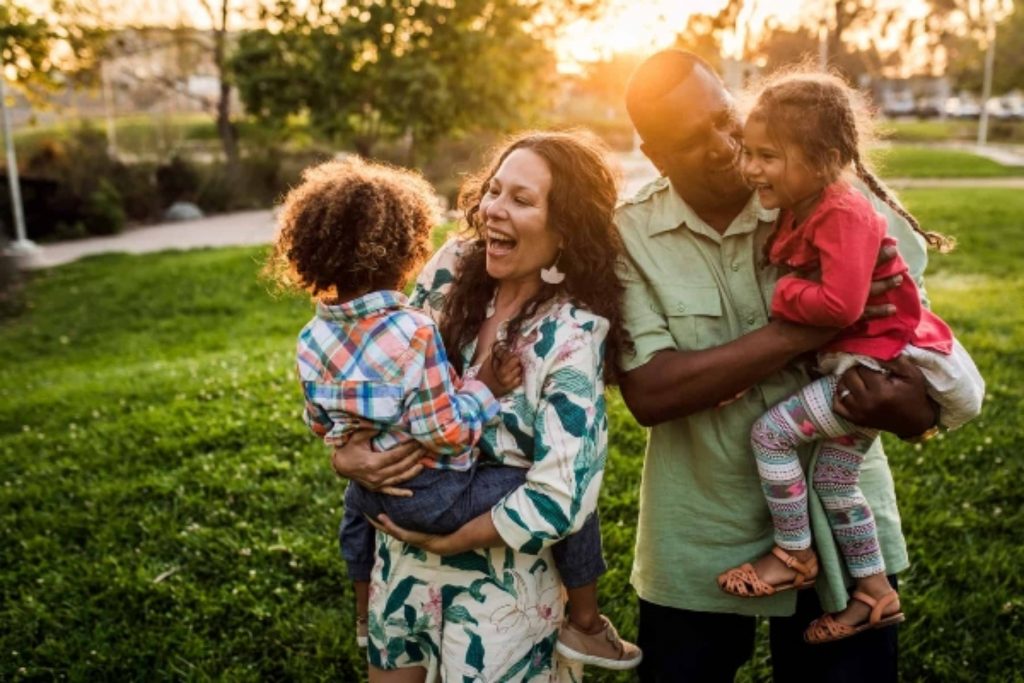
(514, 211)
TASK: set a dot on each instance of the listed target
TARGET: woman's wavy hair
(821, 114)
(581, 206)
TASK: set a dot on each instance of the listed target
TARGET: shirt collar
(361, 307)
(671, 211)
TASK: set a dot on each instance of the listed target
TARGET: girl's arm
(847, 242)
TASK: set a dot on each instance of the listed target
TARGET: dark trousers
(443, 501)
(681, 646)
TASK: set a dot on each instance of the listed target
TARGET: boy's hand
(501, 374)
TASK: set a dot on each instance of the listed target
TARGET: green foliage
(906, 161)
(967, 55)
(29, 41)
(103, 213)
(10, 281)
(375, 70)
(165, 514)
(177, 180)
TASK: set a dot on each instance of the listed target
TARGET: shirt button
(750, 320)
(735, 267)
(680, 307)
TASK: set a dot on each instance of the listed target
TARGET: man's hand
(886, 253)
(377, 471)
(894, 401)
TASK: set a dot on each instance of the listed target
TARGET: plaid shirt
(376, 362)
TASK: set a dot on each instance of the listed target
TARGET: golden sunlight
(649, 25)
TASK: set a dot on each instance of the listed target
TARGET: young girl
(351, 234)
(801, 139)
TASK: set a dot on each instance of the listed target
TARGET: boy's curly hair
(352, 227)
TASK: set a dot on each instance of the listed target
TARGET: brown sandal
(744, 581)
(826, 629)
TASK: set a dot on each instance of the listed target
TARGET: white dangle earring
(553, 275)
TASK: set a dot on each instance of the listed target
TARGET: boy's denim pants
(443, 501)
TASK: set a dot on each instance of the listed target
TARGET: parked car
(1013, 105)
(962, 107)
(928, 107)
(899, 103)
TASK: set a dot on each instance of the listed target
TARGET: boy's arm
(446, 415)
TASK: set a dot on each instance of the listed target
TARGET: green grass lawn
(931, 130)
(908, 161)
(165, 514)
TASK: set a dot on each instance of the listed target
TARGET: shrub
(103, 213)
(10, 281)
(178, 180)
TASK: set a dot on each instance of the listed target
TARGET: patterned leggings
(803, 418)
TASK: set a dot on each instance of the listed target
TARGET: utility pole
(22, 247)
(986, 88)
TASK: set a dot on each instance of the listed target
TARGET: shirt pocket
(694, 314)
(378, 402)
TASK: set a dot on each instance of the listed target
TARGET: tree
(38, 52)
(219, 13)
(967, 55)
(419, 69)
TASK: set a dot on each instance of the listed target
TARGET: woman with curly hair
(534, 276)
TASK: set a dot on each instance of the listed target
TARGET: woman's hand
(892, 401)
(377, 470)
(432, 543)
(479, 532)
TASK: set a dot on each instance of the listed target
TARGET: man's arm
(673, 383)
(676, 383)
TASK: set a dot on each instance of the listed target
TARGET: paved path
(225, 230)
(257, 227)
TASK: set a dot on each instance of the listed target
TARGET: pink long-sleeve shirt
(841, 239)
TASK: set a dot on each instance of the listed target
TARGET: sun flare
(643, 27)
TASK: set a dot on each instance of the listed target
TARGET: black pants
(681, 646)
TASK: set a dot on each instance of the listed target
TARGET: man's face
(693, 136)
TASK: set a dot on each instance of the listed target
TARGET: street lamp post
(22, 246)
(986, 88)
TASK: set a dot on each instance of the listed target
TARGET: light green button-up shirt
(702, 511)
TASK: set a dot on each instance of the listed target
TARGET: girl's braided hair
(823, 115)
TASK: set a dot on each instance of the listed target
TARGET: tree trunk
(225, 127)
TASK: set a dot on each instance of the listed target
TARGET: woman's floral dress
(493, 614)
